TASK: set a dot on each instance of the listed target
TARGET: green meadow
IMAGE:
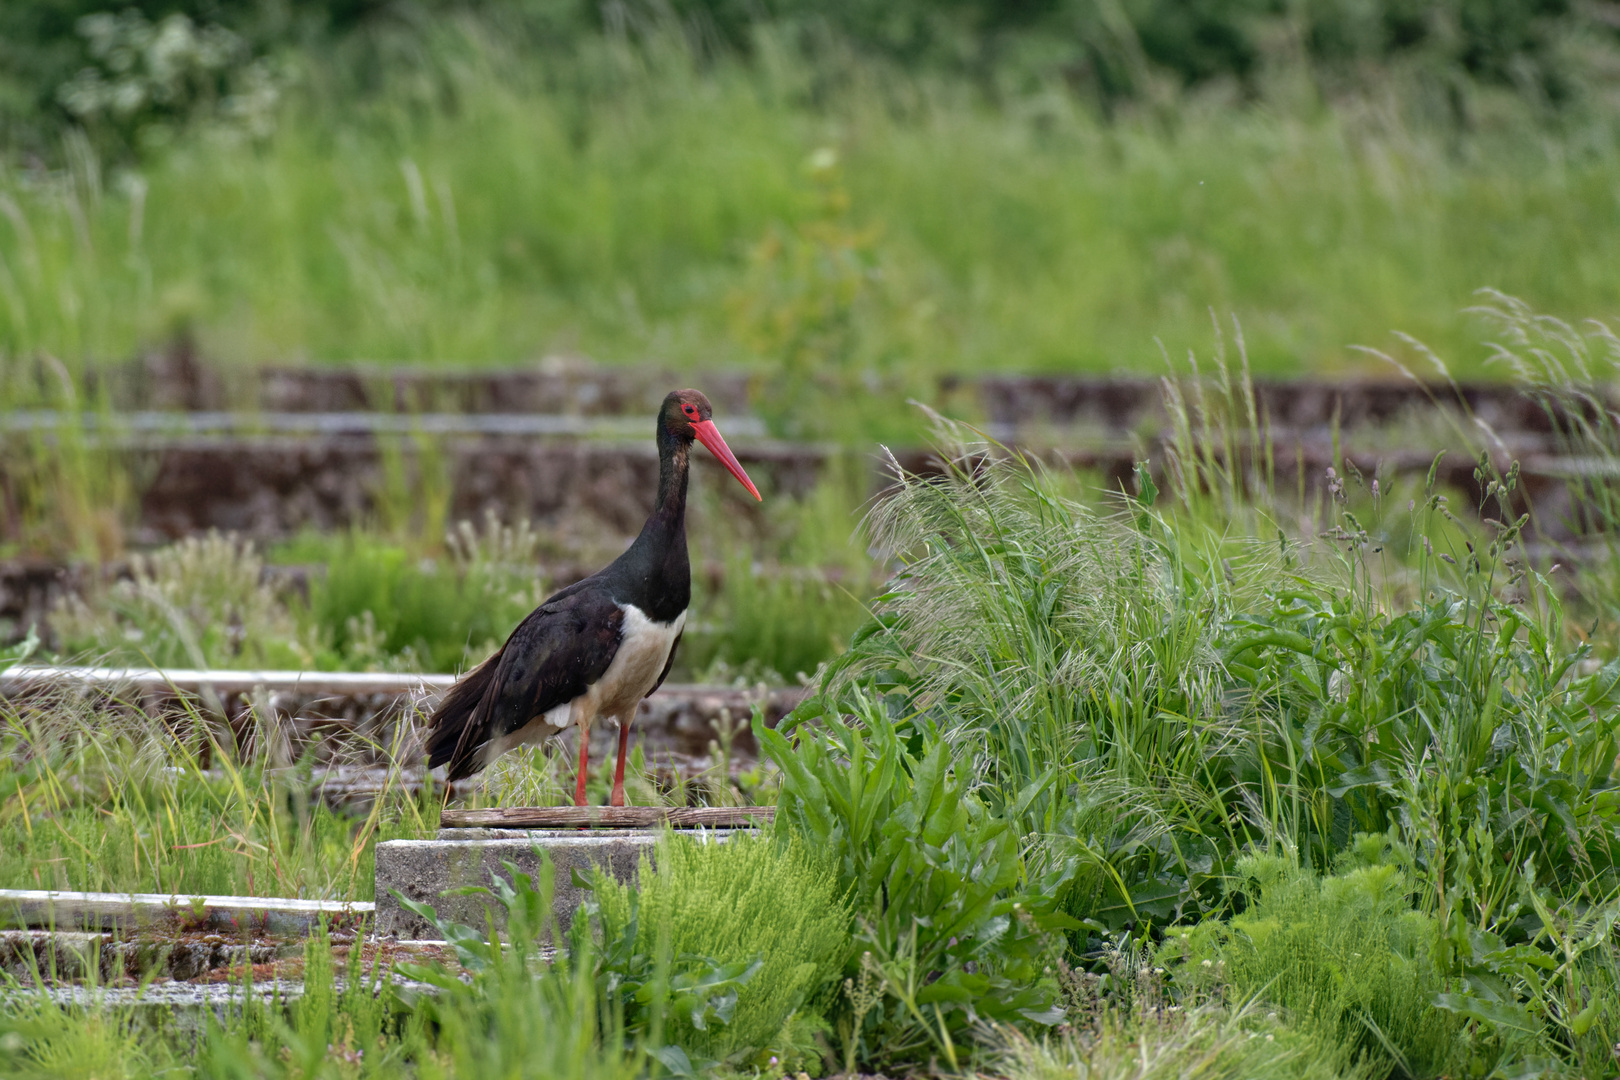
(838, 215)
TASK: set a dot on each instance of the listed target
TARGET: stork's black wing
(562, 647)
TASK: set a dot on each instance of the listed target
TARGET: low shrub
(1346, 952)
(371, 604)
(201, 603)
(1208, 1042)
(745, 899)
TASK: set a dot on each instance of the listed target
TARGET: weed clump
(1346, 953)
(204, 602)
(1208, 1042)
(743, 899)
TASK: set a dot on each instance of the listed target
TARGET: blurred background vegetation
(875, 192)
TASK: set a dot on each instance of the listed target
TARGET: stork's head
(687, 415)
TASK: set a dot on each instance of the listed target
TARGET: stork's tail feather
(456, 729)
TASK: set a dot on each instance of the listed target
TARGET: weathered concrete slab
(186, 1009)
(422, 870)
(1125, 403)
(41, 908)
(176, 377)
(589, 478)
(269, 481)
(65, 956)
(139, 428)
(273, 486)
(178, 1001)
(174, 682)
(597, 492)
(113, 961)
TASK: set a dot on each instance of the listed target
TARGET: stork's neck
(657, 576)
(673, 464)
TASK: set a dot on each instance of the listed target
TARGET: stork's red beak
(709, 436)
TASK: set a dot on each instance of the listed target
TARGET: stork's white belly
(644, 648)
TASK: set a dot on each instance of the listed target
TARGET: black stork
(597, 647)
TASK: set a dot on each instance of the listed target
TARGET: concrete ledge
(175, 682)
(266, 915)
(66, 956)
(183, 1008)
(422, 870)
(109, 961)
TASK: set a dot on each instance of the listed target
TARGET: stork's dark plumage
(597, 647)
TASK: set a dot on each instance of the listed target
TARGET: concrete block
(422, 870)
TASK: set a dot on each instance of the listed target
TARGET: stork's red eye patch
(690, 410)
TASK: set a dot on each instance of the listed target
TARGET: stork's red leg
(618, 770)
(584, 755)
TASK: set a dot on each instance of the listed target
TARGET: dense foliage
(946, 935)
(1111, 50)
(1154, 775)
(1371, 787)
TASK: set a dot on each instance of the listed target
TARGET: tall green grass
(103, 797)
(637, 203)
(1156, 693)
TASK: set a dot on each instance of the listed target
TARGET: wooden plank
(608, 817)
